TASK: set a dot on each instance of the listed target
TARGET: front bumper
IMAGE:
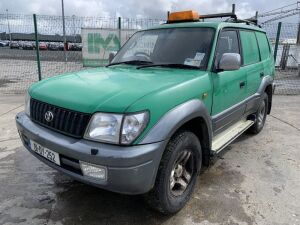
(130, 169)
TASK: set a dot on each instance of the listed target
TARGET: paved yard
(17, 75)
(255, 181)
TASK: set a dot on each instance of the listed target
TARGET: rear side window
(263, 45)
(250, 48)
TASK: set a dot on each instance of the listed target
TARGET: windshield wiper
(171, 65)
(131, 62)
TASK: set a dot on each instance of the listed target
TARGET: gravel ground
(256, 180)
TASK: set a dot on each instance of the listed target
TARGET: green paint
(123, 88)
(277, 40)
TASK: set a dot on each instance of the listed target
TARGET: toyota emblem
(49, 116)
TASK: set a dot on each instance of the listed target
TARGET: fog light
(93, 171)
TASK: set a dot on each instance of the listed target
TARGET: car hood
(111, 89)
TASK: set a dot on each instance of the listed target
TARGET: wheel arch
(191, 115)
(267, 86)
(199, 127)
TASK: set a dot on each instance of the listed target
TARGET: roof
(216, 25)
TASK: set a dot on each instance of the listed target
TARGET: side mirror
(111, 56)
(230, 61)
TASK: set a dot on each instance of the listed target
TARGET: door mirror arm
(217, 70)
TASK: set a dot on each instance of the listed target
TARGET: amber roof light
(183, 16)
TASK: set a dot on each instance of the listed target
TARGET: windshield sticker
(189, 62)
(196, 61)
(199, 56)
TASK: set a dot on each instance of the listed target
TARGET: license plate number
(45, 152)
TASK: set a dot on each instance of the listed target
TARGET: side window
(263, 45)
(250, 48)
(227, 43)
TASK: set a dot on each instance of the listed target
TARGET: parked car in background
(75, 47)
(53, 46)
(4, 43)
(14, 45)
(61, 46)
(43, 46)
(27, 45)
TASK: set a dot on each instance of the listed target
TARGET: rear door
(229, 86)
(265, 53)
(252, 61)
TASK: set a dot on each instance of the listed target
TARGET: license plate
(45, 152)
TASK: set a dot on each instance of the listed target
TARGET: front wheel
(177, 174)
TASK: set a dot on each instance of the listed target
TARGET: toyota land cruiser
(173, 96)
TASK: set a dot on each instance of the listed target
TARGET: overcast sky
(138, 8)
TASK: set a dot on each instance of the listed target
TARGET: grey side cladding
(175, 118)
(267, 80)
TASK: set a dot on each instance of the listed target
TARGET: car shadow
(239, 139)
(80, 203)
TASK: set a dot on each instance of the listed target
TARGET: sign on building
(98, 43)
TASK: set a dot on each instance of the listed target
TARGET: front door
(229, 86)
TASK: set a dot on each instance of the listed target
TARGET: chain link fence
(287, 57)
(18, 57)
(18, 60)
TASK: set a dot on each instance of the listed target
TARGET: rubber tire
(160, 197)
(256, 127)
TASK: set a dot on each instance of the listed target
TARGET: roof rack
(246, 21)
(233, 18)
(220, 15)
(192, 16)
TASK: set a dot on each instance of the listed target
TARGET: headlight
(104, 127)
(108, 127)
(133, 125)
(27, 104)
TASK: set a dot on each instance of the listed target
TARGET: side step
(223, 139)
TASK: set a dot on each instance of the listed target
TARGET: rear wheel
(261, 116)
(177, 174)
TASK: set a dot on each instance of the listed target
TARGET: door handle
(242, 84)
(262, 74)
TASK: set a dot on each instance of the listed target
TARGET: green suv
(173, 96)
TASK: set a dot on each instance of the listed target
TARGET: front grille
(66, 121)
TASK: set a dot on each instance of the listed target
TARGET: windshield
(186, 46)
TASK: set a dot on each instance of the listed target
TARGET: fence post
(119, 29)
(64, 30)
(298, 49)
(277, 41)
(37, 47)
